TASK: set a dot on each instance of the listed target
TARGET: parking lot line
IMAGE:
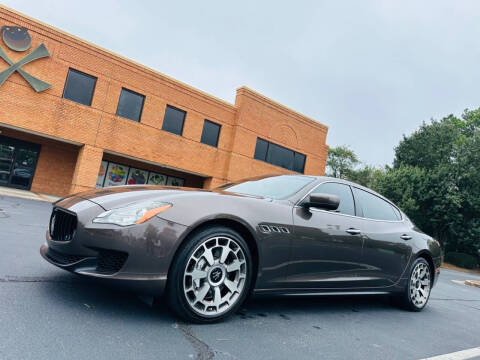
(459, 355)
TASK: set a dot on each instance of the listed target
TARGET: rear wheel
(210, 276)
(417, 291)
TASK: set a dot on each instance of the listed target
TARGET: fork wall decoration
(17, 38)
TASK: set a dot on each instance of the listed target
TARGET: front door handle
(353, 231)
(405, 237)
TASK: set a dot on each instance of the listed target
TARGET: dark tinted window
(274, 187)
(130, 105)
(261, 149)
(374, 207)
(79, 87)
(173, 120)
(299, 163)
(210, 133)
(343, 192)
(278, 155)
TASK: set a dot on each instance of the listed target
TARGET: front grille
(63, 259)
(110, 261)
(62, 225)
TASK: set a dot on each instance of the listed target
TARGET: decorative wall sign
(116, 175)
(157, 179)
(17, 38)
(137, 177)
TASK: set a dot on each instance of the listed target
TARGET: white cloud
(371, 70)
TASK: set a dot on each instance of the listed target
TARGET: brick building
(106, 120)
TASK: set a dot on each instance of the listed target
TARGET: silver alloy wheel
(215, 276)
(420, 284)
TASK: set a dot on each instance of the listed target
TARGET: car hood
(112, 197)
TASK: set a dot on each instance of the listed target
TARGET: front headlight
(135, 213)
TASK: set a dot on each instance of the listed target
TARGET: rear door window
(374, 207)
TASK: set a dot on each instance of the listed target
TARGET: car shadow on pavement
(72, 291)
(289, 307)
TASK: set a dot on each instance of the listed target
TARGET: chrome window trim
(354, 216)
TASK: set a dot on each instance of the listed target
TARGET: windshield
(274, 187)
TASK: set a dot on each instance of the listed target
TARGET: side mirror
(322, 201)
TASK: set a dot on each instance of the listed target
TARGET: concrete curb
(475, 283)
(24, 194)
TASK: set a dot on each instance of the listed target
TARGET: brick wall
(98, 130)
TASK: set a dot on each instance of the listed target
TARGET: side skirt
(260, 292)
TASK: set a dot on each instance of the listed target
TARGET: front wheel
(417, 291)
(210, 276)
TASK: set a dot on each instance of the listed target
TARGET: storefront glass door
(18, 160)
(6, 162)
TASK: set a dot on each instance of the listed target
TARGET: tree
(405, 186)
(340, 161)
(436, 180)
(366, 175)
(429, 146)
(466, 231)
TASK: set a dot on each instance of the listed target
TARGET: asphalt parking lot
(46, 313)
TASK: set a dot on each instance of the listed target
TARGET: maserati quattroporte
(207, 250)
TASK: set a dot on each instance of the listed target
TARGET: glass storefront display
(174, 181)
(137, 177)
(157, 179)
(101, 174)
(113, 174)
(116, 175)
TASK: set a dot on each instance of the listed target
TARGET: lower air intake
(110, 262)
(63, 259)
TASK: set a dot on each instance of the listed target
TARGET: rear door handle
(353, 231)
(405, 237)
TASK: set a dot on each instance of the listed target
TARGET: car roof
(321, 179)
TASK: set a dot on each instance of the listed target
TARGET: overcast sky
(370, 70)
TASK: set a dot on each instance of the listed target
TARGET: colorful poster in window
(137, 176)
(116, 175)
(157, 179)
(101, 174)
(174, 181)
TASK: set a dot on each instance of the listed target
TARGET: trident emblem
(18, 39)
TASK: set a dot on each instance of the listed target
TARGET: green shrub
(461, 259)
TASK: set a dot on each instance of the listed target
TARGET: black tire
(176, 294)
(407, 300)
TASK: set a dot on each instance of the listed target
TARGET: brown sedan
(208, 250)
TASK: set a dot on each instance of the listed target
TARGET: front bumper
(136, 257)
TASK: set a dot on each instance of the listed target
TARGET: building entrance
(18, 160)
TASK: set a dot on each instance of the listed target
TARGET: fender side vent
(265, 229)
(275, 229)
